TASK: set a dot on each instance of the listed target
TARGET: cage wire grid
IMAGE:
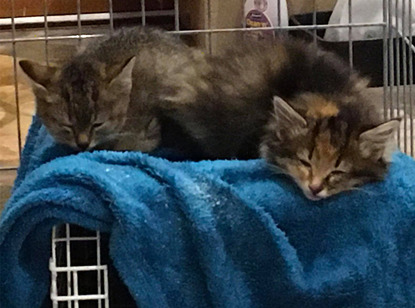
(72, 296)
(397, 100)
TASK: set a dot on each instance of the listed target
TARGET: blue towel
(212, 233)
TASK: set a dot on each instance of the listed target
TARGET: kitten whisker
(277, 170)
(363, 189)
(115, 136)
(122, 135)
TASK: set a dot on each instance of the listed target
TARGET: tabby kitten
(300, 108)
(105, 97)
(324, 132)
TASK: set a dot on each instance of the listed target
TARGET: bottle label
(264, 13)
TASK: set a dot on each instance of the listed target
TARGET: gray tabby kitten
(105, 97)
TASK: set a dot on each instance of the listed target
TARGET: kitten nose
(82, 141)
(315, 188)
(82, 146)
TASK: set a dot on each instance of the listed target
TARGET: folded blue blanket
(220, 233)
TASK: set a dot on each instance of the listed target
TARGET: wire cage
(70, 288)
(388, 59)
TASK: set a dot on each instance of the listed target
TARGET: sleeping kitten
(328, 144)
(324, 132)
(301, 108)
(105, 97)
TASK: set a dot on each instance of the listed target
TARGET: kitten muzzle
(82, 141)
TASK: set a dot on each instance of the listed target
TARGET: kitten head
(84, 103)
(328, 152)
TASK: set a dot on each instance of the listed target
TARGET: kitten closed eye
(98, 124)
(305, 163)
(337, 172)
(67, 130)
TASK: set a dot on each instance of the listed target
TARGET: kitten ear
(379, 142)
(288, 120)
(41, 76)
(121, 77)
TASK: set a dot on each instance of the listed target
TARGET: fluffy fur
(227, 115)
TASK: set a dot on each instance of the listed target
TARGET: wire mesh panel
(400, 56)
(77, 279)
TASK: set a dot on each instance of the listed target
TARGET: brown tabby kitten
(301, 107)
(105, 97)
(324, 132)
(328, 144)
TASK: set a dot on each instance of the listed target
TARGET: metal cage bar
(405, 73)
(99, 278)
(385, 60)
(411, 82)
(68, 261)
(397, 70)
(391, 59)
(314, 21)
(202, 31)
(79, 22)
(143, 12)
(111, 17)
(46, 28)
(349, 4)
(16, 84)
(176, 16)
